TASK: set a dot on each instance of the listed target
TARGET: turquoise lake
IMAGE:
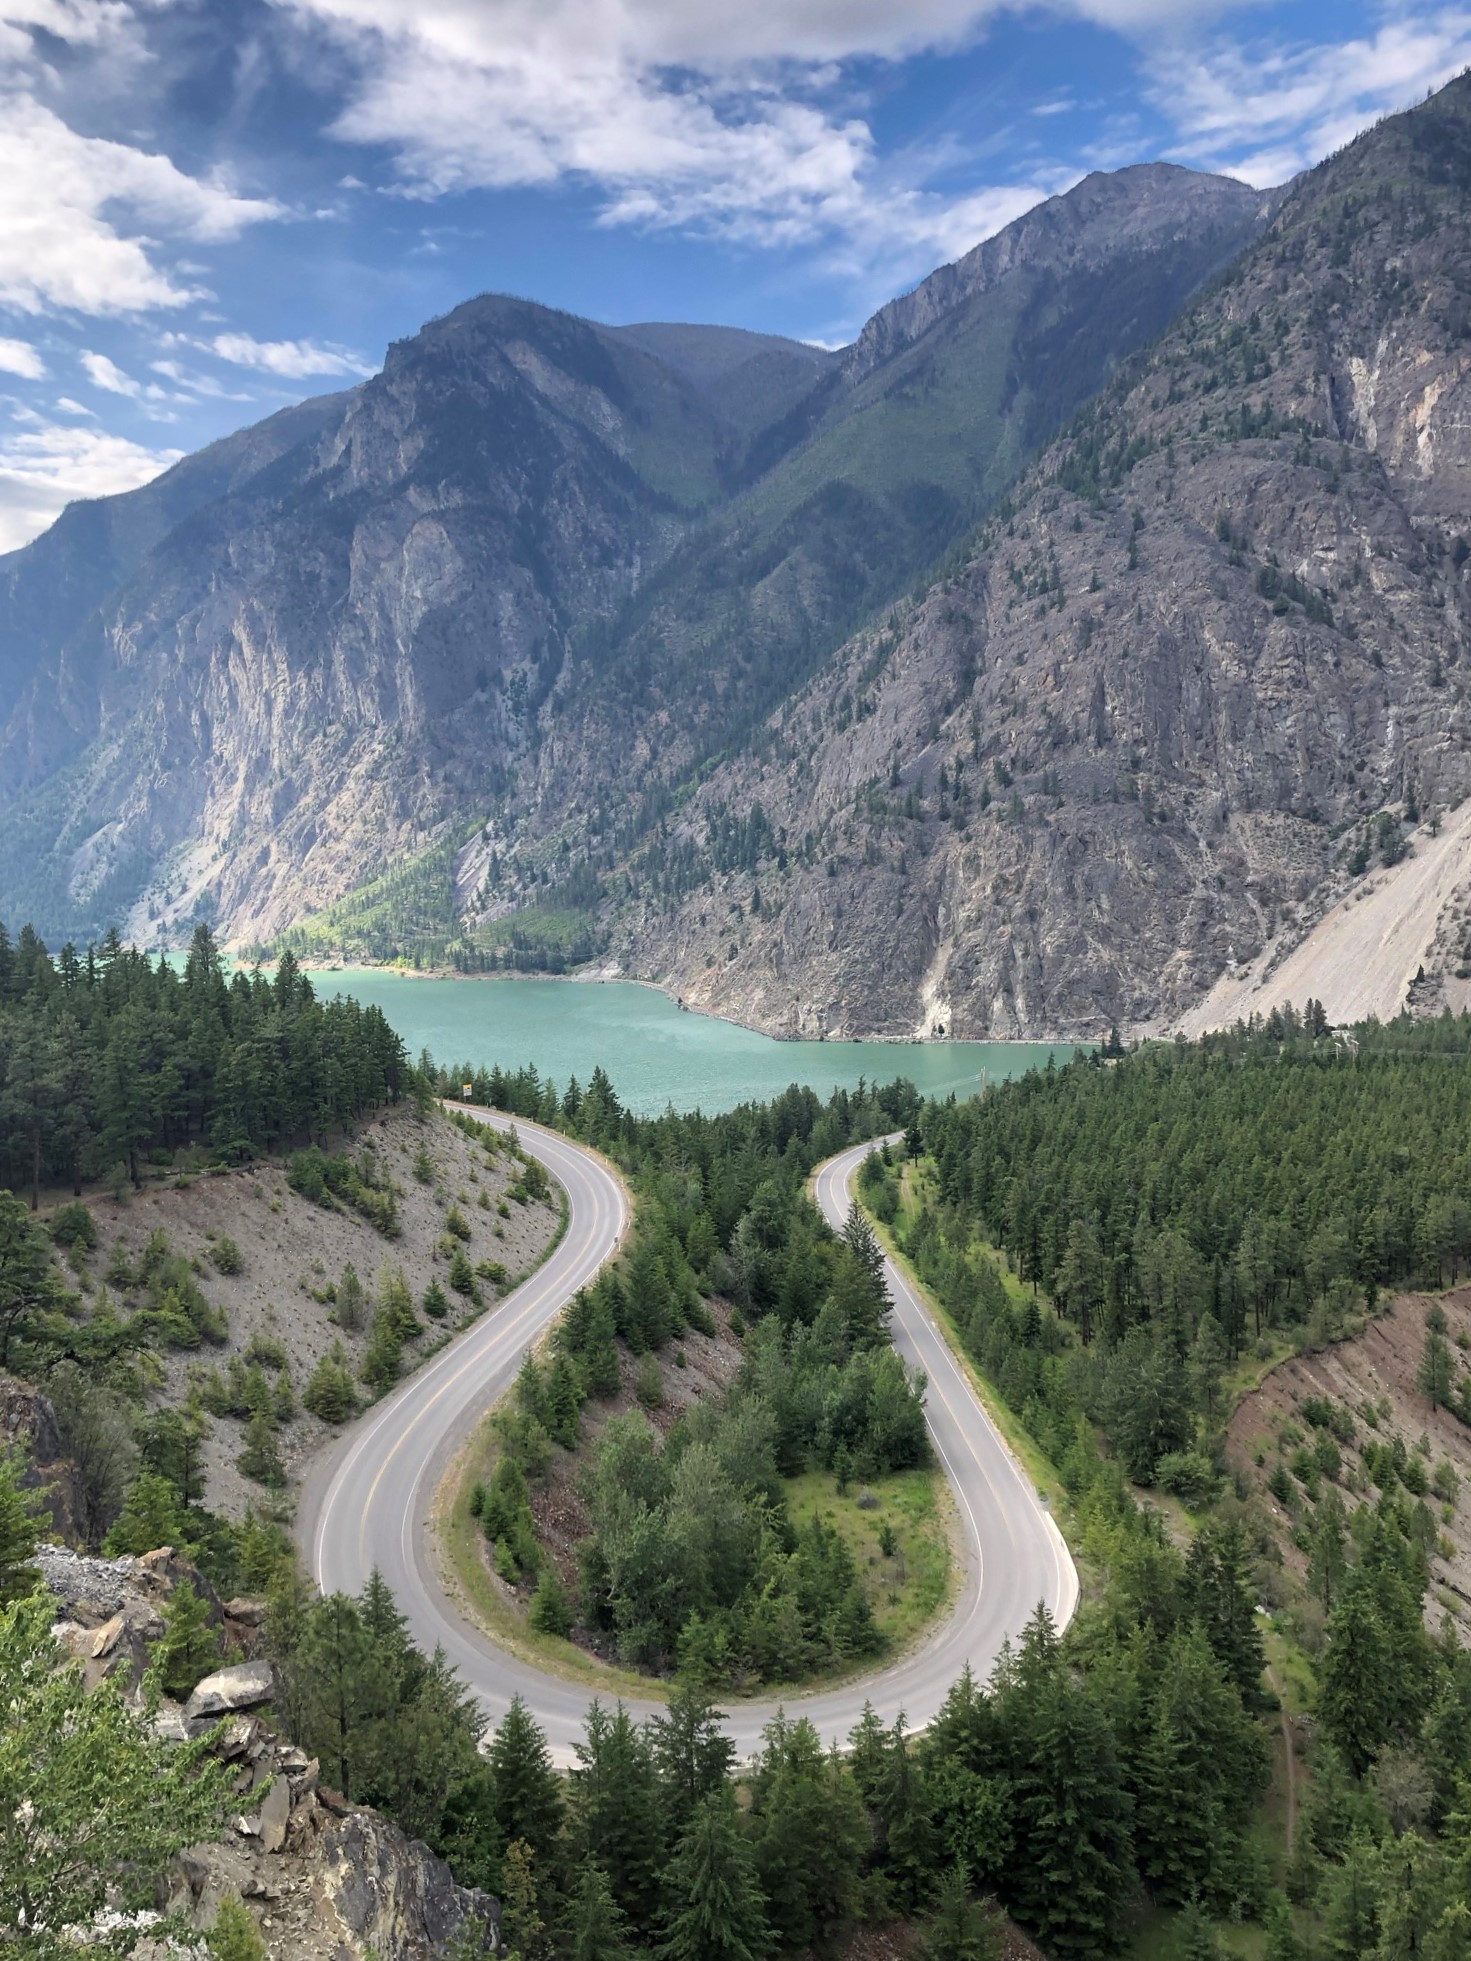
(655, 1053)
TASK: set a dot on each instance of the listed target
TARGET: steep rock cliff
(1141, 731)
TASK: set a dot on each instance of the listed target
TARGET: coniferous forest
(1119, 1246)
(107, 1057)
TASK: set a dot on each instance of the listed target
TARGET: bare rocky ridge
(1224, 625)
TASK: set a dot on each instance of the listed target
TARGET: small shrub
(235, 1936)
(1189, 1475)
(226, 1255)
(74, 1226)
(648, 1382)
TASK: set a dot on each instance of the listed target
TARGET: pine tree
(1354, 1687)
(810, 1835)
(396, 1304)
(550, 1611)
(960, 1931)
(522, 1927)
(18, 1575)
(260, 1459)
(351, 1305)
(715, 1906)
(339, 1687)
(863, 1295)
(528, 1803)
(191, 1644)
(150, 1518)
(1221, 1594)
(616, 1812)
(329, 1394)
(383, 1357)
(596, 1930)
(1327, 1563)
(27, 1287)
(693, 1755)
(1203, 1766)
(1436, 1376)
(1073, 1868)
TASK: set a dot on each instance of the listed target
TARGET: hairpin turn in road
(367, 1503)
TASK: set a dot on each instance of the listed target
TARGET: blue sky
(209, 208)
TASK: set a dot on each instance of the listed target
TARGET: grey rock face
(1142, 729)
(534, 570)
(243, 1685)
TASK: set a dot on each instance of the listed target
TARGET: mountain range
(1080, 631)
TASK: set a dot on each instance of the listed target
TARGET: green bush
(74, 1226)
(226, 1255)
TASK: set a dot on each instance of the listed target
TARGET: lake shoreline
(584, 979)
(657, 1056)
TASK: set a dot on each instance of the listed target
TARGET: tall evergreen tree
(528, 1802)
(595, 1929)
(616, 1814)
(715, 1911)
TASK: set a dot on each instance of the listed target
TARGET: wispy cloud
(42, 469)
(736, 122)
(1265, 110)
(104, 373)
(294, 360)
(85, 220)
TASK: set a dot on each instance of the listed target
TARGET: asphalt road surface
(367, 1503)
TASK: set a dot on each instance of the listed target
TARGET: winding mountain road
(367, 1503)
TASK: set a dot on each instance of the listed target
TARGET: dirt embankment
(292, 1255)
(1371, 1382)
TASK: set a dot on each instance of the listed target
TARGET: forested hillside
(1122, 1245)
(105, 1056)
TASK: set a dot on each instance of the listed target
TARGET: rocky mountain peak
(1107, 215)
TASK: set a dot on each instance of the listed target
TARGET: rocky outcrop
(1109, 217)
(243, 1685)
(325, 1880)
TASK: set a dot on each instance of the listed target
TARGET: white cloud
(69, 407)
(198, 384)
(19, 357)
(292, 359)
(104, 373)
(44, 469)
(80, 217)
(1266, 111)
(727, 120)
